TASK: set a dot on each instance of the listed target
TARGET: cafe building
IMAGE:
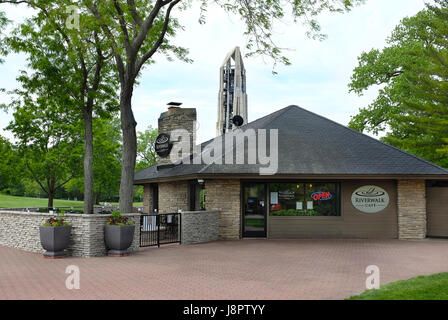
(328, 181)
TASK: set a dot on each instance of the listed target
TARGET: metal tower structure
(232, 99)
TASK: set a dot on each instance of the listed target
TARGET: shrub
(117, 219)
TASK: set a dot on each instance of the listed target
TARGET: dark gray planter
(55, 240)
(118, 239)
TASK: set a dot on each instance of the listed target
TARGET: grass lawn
(25, 202)
(434, 287)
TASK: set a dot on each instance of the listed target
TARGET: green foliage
(117, 219)
(412, 106)
(3, 24)
(10, 164)
(260, 18)
(202, 199)
(64, 59)
(48, 136)
(56, 222)
(434, 287)
(107, 153)
(146, 154)
(70, 68)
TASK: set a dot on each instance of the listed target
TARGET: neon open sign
(322, 196)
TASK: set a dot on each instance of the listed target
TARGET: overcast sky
(317, 79)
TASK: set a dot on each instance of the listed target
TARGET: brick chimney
(173, 119)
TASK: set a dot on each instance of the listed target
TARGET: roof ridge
(377, 140)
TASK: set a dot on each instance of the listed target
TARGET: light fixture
(201, 181)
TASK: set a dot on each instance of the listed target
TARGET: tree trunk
(50, 199)
(97, 198)
(128, 125)
(88, 161)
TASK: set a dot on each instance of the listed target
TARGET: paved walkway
(248, 269)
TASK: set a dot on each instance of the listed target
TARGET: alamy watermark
(373, 280)
(238, 147)
(72, 21)
(73, 280)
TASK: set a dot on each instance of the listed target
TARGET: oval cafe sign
(370, 199)
(163, 145)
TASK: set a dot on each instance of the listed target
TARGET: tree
(412, 105)
(48, 136)
(146, 153)
(137, 30)
(107, 161)
(76, 63)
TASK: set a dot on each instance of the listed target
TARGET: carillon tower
(232, 99)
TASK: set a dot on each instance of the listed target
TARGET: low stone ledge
(21, 230)
(199, 226)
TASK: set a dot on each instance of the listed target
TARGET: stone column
(411, 209)
(177, 119)
(224, 196)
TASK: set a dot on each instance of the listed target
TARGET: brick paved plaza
(248, 269)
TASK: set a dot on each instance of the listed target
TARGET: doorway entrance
(254, 210)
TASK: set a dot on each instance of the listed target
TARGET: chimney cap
(174, 104)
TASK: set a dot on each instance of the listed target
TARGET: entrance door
(254, 210)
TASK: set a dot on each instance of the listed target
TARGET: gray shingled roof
(310, 144)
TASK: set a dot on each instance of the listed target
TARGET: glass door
(254, 210)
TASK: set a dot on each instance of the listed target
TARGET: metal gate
(158, 229)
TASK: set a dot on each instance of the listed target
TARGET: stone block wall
(224, 196)
(199, 226)
(411, 209)
(148, 201)
(173, 196)
(21, 230)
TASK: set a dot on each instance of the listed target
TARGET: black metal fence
(159, 229)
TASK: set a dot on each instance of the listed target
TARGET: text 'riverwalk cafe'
(329, 182)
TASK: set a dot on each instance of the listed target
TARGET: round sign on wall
(370, 199)
(163, 145)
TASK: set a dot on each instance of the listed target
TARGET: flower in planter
(56, 222)
(117, 219)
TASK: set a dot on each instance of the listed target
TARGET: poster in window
(310, 205)
(299, 205)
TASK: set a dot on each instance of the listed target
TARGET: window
(304, 199)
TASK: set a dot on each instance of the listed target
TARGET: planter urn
(118, 239)
(55, 240)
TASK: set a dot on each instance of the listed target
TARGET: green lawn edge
(433, 287)
(7, 201)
